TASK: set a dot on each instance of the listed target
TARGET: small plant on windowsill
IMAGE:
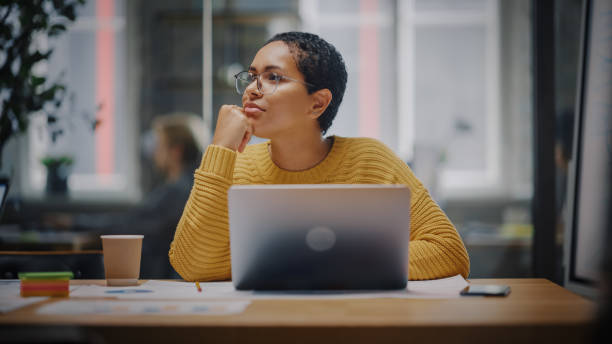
(58, 169)
(60, 156)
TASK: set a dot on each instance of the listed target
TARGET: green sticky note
(53, 275)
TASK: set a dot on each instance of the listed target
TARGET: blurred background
(447, 84)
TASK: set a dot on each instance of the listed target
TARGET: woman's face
(160, 156)
(285, 111)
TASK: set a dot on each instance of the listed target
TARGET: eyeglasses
(267, 82)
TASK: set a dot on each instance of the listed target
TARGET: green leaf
(49, 94)
(68, 12)
(56, 29)
(96, 124)
(56, 161)
(5, 31)
(29, 60)
(37, 81)
(58, 3)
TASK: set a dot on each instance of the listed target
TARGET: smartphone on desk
(486, 290)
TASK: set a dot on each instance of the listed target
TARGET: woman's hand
(234, 128)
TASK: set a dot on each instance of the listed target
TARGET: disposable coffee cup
(122, 259)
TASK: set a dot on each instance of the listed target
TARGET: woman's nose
(251, 93)
(252, 90)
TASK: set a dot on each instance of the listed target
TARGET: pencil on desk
(198, 286)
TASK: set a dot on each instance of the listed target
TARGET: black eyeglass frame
(257, 77)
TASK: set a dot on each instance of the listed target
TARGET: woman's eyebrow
(267, 68)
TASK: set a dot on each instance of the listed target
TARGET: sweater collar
(315, 175)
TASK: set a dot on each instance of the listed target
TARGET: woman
(290, 95)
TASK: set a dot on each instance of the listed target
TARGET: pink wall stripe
(105, 88)
(368, 72)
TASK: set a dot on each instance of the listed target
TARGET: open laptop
(305, 237)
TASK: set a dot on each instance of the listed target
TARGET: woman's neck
(299, 152)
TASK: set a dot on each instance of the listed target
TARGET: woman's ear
(320, 102)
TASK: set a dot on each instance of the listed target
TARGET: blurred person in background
(175, 146)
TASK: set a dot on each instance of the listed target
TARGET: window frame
(453, 183)
(122, 187)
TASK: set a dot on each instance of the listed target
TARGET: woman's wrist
(226, 144)
(219, 160)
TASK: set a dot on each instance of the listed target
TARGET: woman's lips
(252, 110)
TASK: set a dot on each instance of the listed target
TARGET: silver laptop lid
(319, 236)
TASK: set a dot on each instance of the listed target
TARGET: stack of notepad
(45, 283)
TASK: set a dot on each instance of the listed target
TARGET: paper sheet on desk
(94, 290)
(441, 288)
(142, 307)
(10, 298)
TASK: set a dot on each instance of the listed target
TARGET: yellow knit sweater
(200, 250)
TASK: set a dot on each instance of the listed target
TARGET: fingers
(245, 139)
(232, 128)
(247, 136)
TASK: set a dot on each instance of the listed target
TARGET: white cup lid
(122, 236)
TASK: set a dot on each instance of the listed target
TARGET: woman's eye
(273, 77)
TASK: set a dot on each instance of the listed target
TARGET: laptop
(319, 237)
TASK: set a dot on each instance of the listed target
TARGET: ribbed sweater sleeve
(200, 249)
(436, 249)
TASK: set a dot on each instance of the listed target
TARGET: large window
(91, 60)
(425, 78)
(451, 111)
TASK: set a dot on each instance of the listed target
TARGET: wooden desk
(536, 311)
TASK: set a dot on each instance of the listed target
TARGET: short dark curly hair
(322, 67)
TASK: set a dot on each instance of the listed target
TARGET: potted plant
(58, 169)
(60, 155)
(23, 91)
